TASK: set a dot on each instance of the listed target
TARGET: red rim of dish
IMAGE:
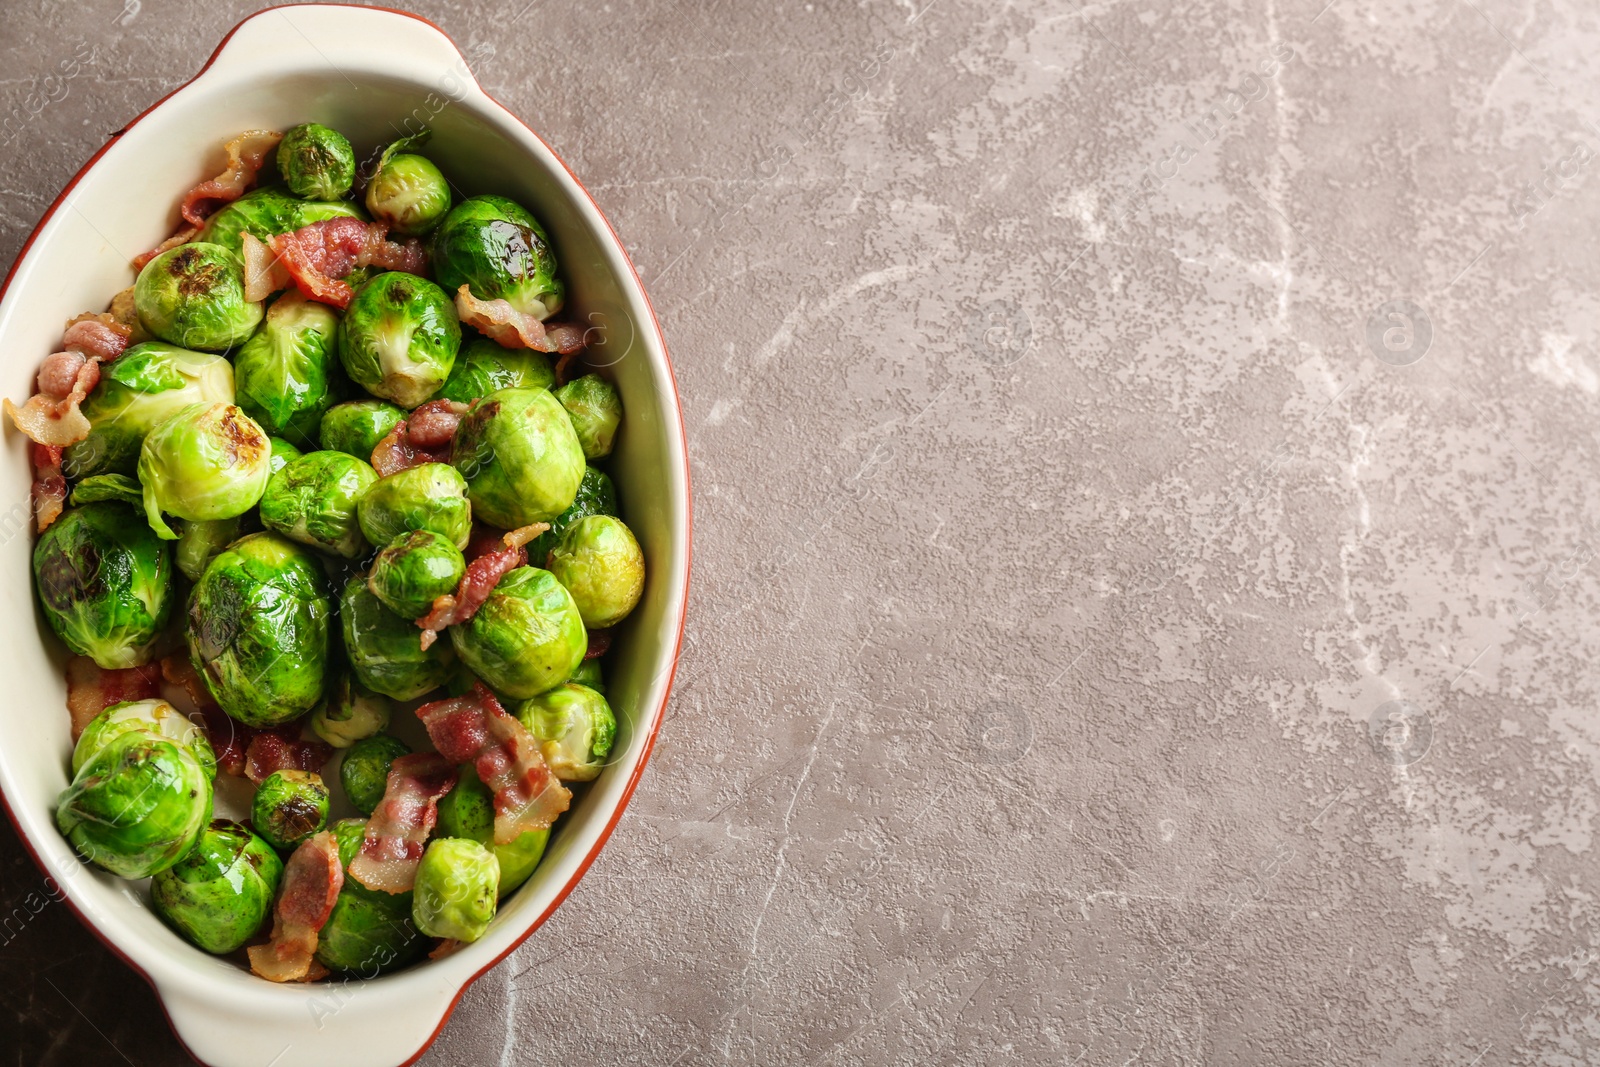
(650, 739)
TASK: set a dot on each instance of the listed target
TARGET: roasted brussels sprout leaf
(208, 461)
(601, 565)
(399, 338)
(429, 496)
(289, 806)
(499, 251)
(520, 456)
(414, 570)
(285, 376)
(596, 411)
(407, 191)
(313, 500)
(118, 487)
(220, 893)
(351, 713)
(156, 717)
(369, 932)
(193, 296)
(364, 772)
(526, 638)
(458, 886)
(356, 426)
(105, 583)
(575, 728)
(137, 806)
(482, 367)
(467, 811)
(316, 163)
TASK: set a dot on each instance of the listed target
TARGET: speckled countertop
(1144, 604)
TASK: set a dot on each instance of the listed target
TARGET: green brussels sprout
(155, 717)
(139, 389)
(193, 296)
(499, 250)
(313, 501)
(356, 426)
(208, 461)
(482, 367)
(265, 212)
(316, 163)
(220, 893)
(385, 650)
(588, 673)
(258, 629)
(369, 932)
(364, 772)
(289, 807)
(526, 638)
(414, 570)
(351, 713)
(282, 453)
(596, 411)
(286, 374)
(105, 583)
(520, 456)
(101, 487)
(429, 496)
(467, 811)
(399, 338)
(596, 496)
(199, 541)
(457, 888)
(408, 191)
(601, 565)
(575, 729)
(137, 806)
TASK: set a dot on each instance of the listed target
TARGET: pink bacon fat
(311, 882)
(399, 826)
(317, 257)
(476, 729)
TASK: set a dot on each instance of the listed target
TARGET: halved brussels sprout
(601, 565)
(589, 673)
(351, 713)
(155, 717)
(137, 806)
(596, 411)
(266, 212)
(289, 807)
(105, 583)
(199, 541)
(286, 374)
(414, 570)
(313, 501)
(208, 461)
(575, 728)
(385, 650)
(193, 296)
(467, 811)
(282, 453)
(457, 888)
(408, 191)
(258, 629)
(364, 771)
(139, 389)
(526, 638)
(369, 931)
(220, 893)
(520, 456)
(356, 426)
(399, 338)
(482, 367)
(596, 496)
(429, 496)
(496, 248)
(316, 163)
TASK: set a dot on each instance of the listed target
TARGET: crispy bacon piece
(92, 689)
(263, 274)
(317, 257)
(423, 437)
(182, 236)
(499, 321)
(49, 484)
(246, 154)
(306, 894)
(230, 739)
(599, 642)
(399, 826)
(51, 416)
(280, 749)
(96, 335)
(483, 573)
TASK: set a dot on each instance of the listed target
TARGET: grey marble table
(1144, 603)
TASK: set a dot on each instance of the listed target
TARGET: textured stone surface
(1068, 511)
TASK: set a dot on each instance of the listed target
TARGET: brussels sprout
(467, 811)
(596, 411)
(588, 673)
(520, 456)
(286, 373)
(313, 501)
(385, 650)
(408, 192)
(356, 426)
(351, 713)
(429, 496)
(208, 461)
(105, 583)
(458, 885)
(369, 931)
(139, 389)
(193, 295)
(264, 212)
(137, 806)
(575, 728)
(526, 638)
(99, 487)
(316, 163)
(258, 629)
(289, 807)
(596, 496)
(414, 570)
(364, 772)
(495, 247)
(399, 338)
(155, 717)
(602, 567)
(482, 367)
(199, 541)
(220, 893)
(282, 453)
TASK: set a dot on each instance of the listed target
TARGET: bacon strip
(476, 728)
(51, 416)
(92, 689)
(510, 328)
(246, 154)
(483, 573)
(263, 273)
(317, 257)
(49, 484)
(422, 437)
(280, 749)
(306, 894)
(230, 739)
(599, 642)
(182, 236)
(399, 826)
